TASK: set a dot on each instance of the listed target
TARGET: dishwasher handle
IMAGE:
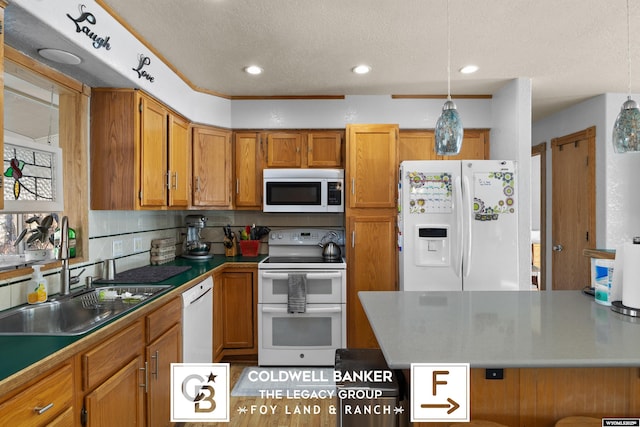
(197, 292)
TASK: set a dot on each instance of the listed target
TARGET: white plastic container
(37, 289)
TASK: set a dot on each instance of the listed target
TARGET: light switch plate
(137, 244)
(116, 248)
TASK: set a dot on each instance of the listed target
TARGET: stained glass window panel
(29, 174)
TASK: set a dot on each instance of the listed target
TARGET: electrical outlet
(116, 249)
(137, 244)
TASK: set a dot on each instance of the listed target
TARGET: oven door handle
(309, 310)
(325, 275)
(322, 275)
(277, 276)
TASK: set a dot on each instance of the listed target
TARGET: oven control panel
(305, 236)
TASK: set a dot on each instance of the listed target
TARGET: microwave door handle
(324, 190)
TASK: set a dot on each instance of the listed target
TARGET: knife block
(233, 250)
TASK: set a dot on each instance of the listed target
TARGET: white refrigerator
(458, 225)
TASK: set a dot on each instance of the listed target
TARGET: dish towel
(297, 300)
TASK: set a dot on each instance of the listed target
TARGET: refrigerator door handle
(466, 265)
(459, 214)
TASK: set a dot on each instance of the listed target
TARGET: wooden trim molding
(441, 96)
(541, 150)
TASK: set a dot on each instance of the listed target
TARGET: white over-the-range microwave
(303, 190)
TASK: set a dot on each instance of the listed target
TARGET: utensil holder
(230, 250)
(249, 247)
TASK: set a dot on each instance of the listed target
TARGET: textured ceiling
(571, 49)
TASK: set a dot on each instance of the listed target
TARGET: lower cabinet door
(119, 401)
(160, 354)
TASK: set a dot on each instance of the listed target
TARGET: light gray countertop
(501, 329)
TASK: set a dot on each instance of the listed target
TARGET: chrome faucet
(63, 254)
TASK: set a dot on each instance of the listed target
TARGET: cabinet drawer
(50, 396)
(163, 318)
(105, 359)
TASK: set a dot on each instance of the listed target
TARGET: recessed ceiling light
(253, 69)
(361, 69)
(468, 69)
(60, 56)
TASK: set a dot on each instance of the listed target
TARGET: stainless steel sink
(78, 313)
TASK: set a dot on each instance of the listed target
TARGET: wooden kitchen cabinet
(372, 260)
(248, 161)
(160, 354)
(420, 145)
(284, 150)
(179, 161)
(235, 313)
(48, 400)
(475, 146)
(212, 168)
(371, 214)
(139, 152)
(416, 145)
(325, 149)
(119, 400)
(164, 346)
(372, 166)
(114, 376)
(309, 149)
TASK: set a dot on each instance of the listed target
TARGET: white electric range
(311, 337)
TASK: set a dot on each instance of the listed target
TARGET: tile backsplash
(132, 232)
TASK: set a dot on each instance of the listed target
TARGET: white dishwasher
(197, 323)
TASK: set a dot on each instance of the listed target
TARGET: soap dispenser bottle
(37, 287)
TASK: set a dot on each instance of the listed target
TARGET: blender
(195, 247)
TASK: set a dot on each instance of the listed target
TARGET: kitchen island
(559, 352)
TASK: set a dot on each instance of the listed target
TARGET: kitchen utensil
(109, 269)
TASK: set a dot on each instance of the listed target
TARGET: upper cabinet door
(416, 145)
(372, 166)
(248, 170)
(475, 146)
(212, 171)
(153, 153)
(284, 150)
(324, 149)
(179, 161)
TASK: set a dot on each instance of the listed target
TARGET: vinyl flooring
(284, 410)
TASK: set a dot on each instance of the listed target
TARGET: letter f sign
(435, 380)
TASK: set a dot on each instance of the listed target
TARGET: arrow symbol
(453, 405)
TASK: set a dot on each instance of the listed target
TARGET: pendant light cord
(449, 54)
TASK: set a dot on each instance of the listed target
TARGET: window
(32, 165)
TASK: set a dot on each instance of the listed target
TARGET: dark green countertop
(18, 352)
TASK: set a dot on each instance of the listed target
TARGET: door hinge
(83, 416)
(587, 236)
(140, 106)
(140, 195)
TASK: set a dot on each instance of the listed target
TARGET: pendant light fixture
(449, 129)
(626, 130)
